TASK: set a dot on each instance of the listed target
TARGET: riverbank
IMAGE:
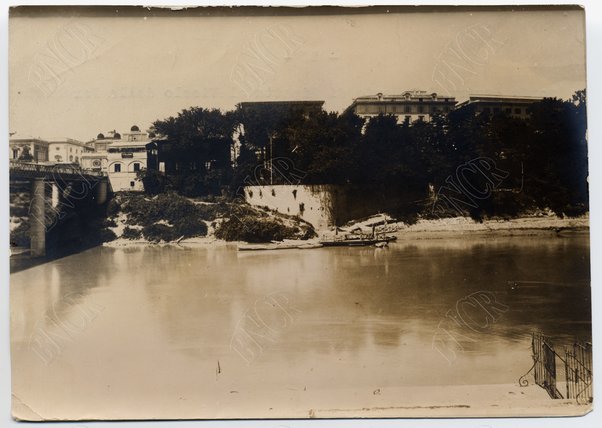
(522, 226)
(169, 218)
(456, 227)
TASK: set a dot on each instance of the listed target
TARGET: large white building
(409, 105)
(514, 106)
(67, 151)
(28, 149)
(96, 158)
(125, 158)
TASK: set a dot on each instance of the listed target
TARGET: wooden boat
(284, 245)
(356, 241)
(309, 245)
(269, 246)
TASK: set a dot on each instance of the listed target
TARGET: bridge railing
(53, 170)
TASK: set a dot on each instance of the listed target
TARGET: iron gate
(577, 361)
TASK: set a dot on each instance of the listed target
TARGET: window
(518, 110)
(496, 109)
(421, 117)
(58, 148)
(15, 153)
(136, 167)
(407, 109)
(117, 167)
(408, 118)
(508, 110)
(420, 109)
(132, 184)
(486, 110)
(70, 158)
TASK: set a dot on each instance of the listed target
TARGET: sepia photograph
(296, 213)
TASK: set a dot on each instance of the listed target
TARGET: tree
(194, 143)
(26, 155)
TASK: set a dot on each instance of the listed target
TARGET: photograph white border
(594, 100)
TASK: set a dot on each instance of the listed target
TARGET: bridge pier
(101, 191)
(37, 215)
(56, 195)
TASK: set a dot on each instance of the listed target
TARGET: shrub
(106, 235)
(129, 233)
(159, 232)
(19, 237)
(190, 226)
(109, 223)
(258, 227)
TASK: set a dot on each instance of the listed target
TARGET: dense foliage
(541, 161)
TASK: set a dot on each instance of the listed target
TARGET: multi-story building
(67, 151)
(28, 149)
(127, 156)
(95, 158)
(409, 105)
(494, 104)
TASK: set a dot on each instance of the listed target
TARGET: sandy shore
(429, 229)
(523, 226)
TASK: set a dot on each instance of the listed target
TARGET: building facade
(28, 149)
(67, 151)
(127, 156)
(95, 158)
(495, 104)
(410, 105)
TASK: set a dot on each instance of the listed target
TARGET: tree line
(541, 160)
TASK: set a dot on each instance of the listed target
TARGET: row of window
(135, 167)
(126, 149)
(384, 109)
(70, 149)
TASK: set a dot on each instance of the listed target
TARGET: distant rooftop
(412, 95)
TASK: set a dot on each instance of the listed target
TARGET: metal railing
(37, 169)
(577, 375)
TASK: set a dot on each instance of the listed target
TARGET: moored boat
(356, 241)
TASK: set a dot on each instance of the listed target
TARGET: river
(209, 332)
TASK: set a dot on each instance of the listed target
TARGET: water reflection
(206, 321)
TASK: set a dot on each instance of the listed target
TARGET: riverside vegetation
(169, 217)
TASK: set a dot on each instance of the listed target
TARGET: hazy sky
(78, 76)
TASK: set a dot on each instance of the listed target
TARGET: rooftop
(413, 95)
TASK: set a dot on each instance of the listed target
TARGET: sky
(77, 76)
